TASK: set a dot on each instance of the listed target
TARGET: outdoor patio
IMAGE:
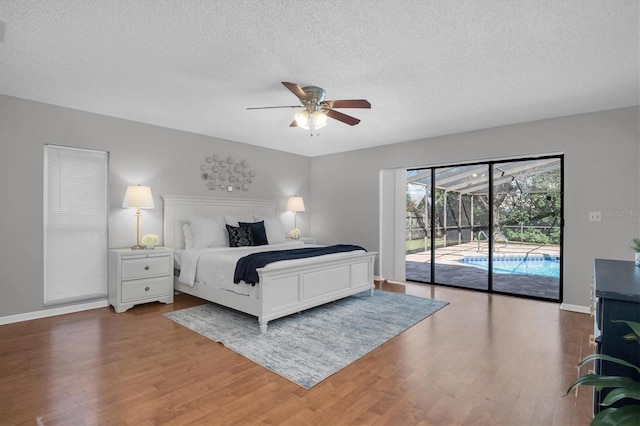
(449, 270)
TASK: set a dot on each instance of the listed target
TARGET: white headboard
(178, 207)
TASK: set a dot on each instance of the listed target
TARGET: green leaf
(599, 382)
(635, 326)
(628, 415)
(607, 358)
(621, 393)
(631, 336)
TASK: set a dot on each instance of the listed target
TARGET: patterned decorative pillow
(239, 236)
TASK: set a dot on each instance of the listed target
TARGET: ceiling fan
(316, 109)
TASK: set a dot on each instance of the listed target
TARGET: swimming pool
(546, 266)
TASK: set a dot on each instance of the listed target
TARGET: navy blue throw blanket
(246, 266)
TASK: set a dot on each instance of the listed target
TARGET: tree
(536, 201)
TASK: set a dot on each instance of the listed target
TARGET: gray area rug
(308, 347)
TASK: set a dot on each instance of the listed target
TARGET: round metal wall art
(225, 174)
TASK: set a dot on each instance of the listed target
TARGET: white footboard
(287, 290)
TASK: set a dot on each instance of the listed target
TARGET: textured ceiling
(428, 67)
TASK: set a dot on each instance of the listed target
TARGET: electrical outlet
(595, 217)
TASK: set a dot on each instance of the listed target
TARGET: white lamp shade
(305, 119)
(138, 197)
(302, 119)
(295, 204)
(319, 119)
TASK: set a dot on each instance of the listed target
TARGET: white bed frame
(282, 290)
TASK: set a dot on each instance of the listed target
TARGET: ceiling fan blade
(348, 103)
(296, 90)
(347, 119)
(293, 124)
(270, 107)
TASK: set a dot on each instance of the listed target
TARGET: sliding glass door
(527, 200)
(491, 226)
(460, 218)
(419, 225)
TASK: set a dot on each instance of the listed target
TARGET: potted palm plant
(621, 388)
(636, 249)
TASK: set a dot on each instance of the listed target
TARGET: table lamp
(138, 197)
(295, 205)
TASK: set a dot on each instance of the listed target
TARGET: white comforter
(216, 266)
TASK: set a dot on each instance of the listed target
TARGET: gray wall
(602, 156)
(601, 174)
(166, 160)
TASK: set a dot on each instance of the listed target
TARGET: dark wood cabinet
(617, 297)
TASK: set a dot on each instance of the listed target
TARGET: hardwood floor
(482, 360)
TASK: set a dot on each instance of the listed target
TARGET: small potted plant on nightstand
(636, 249)
(150, 241)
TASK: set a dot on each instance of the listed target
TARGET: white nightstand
(140, 276)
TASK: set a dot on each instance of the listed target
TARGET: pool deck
(449, 270)
(451, 255)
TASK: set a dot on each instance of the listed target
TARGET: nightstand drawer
(143, 267)
(145, 289)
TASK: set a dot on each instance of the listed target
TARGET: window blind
(75, 224)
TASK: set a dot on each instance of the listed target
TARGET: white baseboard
(575, 308)
(53, 312)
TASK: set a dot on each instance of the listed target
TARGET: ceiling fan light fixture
(302, 119)
(315, 120)
(319, 119)
(317, 110)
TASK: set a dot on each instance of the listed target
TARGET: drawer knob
(146, 268)
(146, 289)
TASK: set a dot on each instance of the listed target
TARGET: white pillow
(274, 229)
(233, 220)
(208, 231)
(188, 236)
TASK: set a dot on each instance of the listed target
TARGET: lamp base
(137, 247)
